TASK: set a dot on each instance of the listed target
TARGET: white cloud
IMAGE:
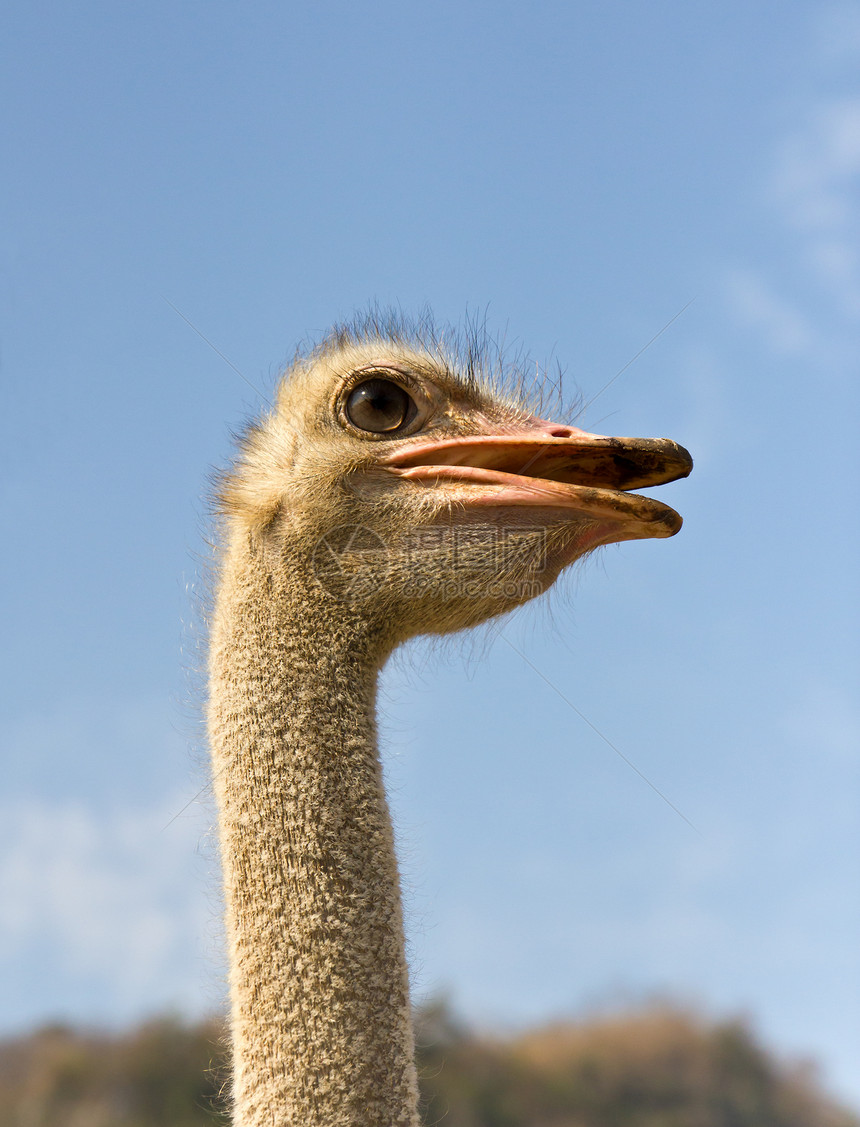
(786, 330)
(813, 193)
(113, 907)
(818, 166)
(816, 185)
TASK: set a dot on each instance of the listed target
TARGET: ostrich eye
(379, 406)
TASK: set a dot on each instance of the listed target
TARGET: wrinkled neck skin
(321, 1025)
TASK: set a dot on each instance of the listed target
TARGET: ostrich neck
(318, 983)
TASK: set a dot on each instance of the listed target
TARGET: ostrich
(393, 490)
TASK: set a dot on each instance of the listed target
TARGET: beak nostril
(561, 432)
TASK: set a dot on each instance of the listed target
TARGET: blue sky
(579, 173)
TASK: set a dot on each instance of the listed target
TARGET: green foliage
(659, 1067)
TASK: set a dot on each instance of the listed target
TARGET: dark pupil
(378, 405)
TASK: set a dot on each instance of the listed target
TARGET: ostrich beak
(545, 466)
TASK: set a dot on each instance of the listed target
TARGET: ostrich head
(392, 490)
(412, 491)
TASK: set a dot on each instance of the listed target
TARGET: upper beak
(545, 465)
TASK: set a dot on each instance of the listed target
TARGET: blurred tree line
(658, 1067)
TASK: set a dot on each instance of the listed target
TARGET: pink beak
(555, 467)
